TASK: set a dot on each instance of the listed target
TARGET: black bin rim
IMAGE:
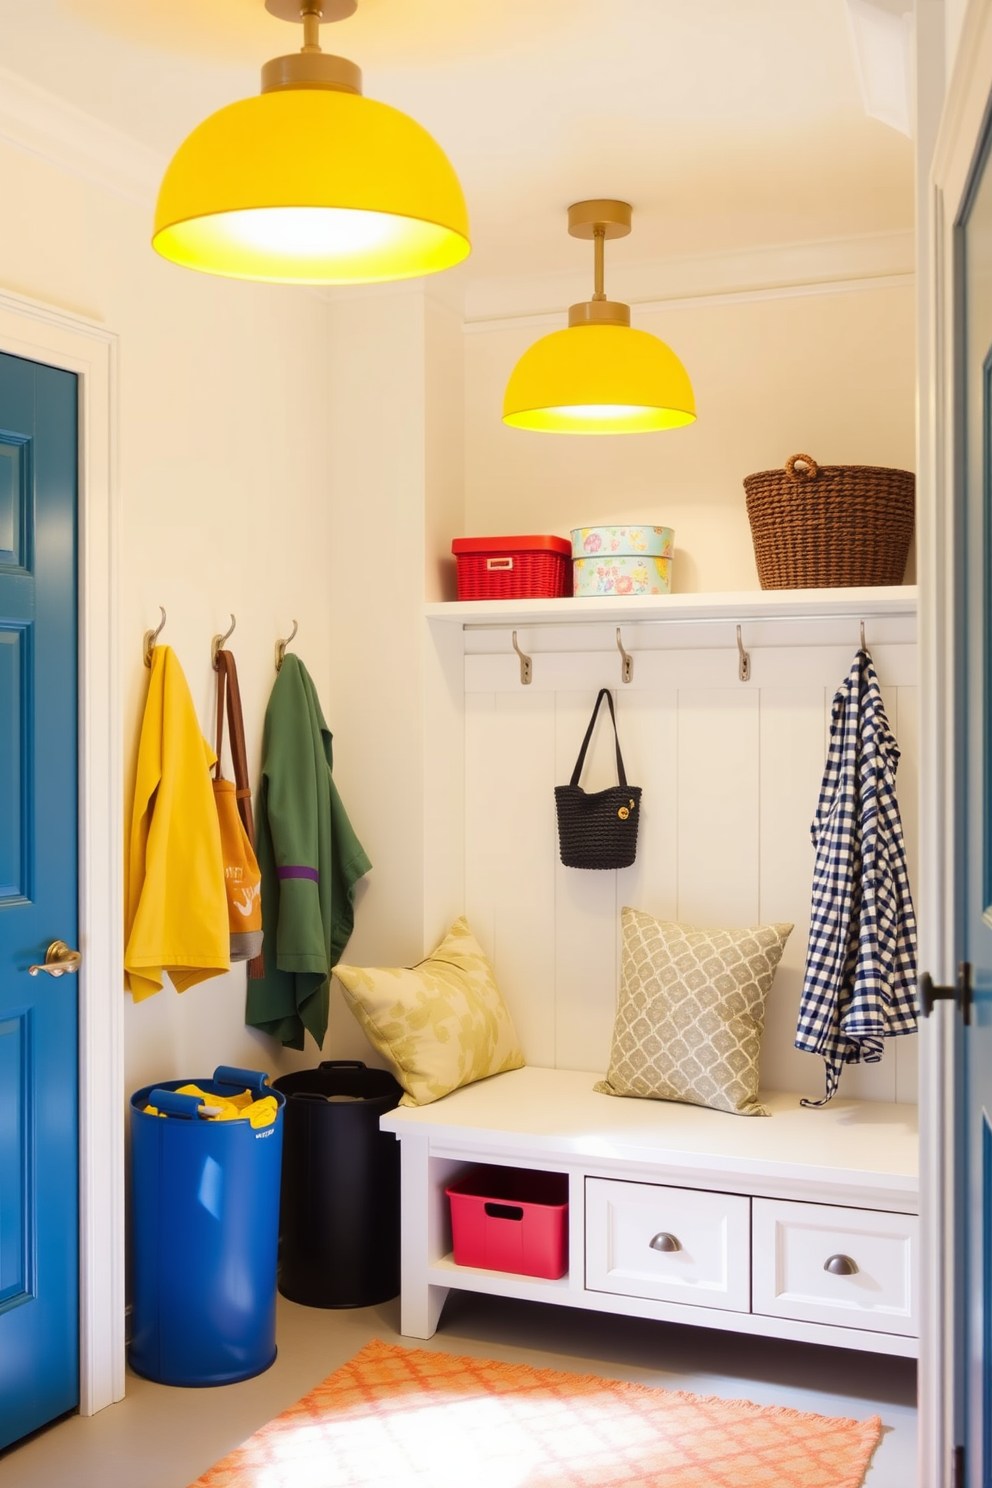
(371, 1088)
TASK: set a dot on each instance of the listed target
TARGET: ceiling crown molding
(42, 124)
(887, 257)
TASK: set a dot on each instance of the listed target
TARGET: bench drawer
(669, 1244)
(854, 1268)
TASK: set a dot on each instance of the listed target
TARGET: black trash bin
(339, 1220)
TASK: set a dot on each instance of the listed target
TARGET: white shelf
(752, 604)
(497, 1283)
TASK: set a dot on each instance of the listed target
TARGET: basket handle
(809, 474)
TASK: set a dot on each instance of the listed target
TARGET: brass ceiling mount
(598, 220)
(310, 67)
(611, 217)
(328, 10)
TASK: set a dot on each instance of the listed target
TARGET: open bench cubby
(800, 1225)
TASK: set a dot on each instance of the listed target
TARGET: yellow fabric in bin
(241, 1107)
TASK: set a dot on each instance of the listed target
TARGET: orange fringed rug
(405, 1418)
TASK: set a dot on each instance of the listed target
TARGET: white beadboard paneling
(585, 903)
(524, 739)
(649, 735)
(511, 875)
(791, 770)
(718, 807)
(730, 772)
(482, 793)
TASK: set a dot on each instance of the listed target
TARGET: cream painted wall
(224, 492)
(829, 373)
(396, 474)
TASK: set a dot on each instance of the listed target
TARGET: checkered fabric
(860, 980)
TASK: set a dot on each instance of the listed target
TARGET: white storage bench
(801, 1225)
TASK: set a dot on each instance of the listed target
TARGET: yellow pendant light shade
(600, 376)
(310, 183)
(598, 379)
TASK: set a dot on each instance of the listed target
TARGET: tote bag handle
(604, 692)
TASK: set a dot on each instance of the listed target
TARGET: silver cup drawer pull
(665, 1242)
(839, 1265)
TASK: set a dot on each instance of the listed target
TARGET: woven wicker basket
(830, 526)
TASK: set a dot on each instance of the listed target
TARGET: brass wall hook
(526, 665)
(743, 658)
(151, 636)
(218, 642)
(281, 647)
(627, 670)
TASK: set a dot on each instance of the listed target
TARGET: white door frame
(961, 126)
(43, 333)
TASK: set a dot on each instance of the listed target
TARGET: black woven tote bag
(598, 829)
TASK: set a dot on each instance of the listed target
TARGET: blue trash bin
(205, 1206)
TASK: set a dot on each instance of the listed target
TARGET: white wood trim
(959, 134)
(750, 604)
(43, 124)
(553, 319)
(837, 265)
(937, 1332)
(43, 333)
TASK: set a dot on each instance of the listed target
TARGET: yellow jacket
(176, 912)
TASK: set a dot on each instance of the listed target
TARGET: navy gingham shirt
(860, 981)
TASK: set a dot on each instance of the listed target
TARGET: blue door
(39, 1253)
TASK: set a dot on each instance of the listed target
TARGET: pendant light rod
(599, 219)
(312, 15)
(599, 250)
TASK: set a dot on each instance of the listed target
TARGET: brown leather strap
(227, 682)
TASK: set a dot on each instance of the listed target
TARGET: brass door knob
(58, 960)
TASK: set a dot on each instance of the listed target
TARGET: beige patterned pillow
(440, 1024)
(691, 1012)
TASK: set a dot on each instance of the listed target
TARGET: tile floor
(160, 1437)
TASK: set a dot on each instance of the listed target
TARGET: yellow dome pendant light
(310, 183)
(599, 376)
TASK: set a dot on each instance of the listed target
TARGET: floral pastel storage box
(615, 561)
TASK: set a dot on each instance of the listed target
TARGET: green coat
(310, 860)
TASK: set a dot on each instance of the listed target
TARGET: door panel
(39, 1371)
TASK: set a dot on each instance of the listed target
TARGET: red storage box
(513, 567)
(511, 1219)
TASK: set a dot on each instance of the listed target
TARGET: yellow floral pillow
(438, 1025)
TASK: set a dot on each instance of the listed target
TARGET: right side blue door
(974, 795)
(39, 1252)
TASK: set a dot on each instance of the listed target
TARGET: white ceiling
(727, 123)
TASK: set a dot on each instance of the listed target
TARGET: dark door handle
(960, 993)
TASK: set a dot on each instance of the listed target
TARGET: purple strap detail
(297, 872)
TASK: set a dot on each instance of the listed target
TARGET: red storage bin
(511, 1219)
(513, 567)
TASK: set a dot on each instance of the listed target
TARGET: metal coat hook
(526, 665)
(627, 671)
(744, 659)
(218, 641)
(863, 644)
(151, 636)
(281, 646)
